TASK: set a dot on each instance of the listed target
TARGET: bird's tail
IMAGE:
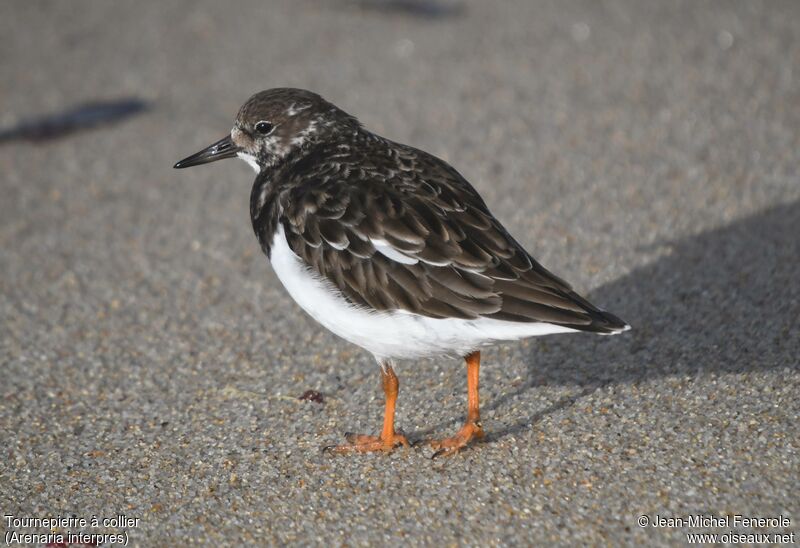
(604, 323)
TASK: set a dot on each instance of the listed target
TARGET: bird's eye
(263, 127)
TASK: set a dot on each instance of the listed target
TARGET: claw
(450, 446)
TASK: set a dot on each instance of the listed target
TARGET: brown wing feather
(465, 264)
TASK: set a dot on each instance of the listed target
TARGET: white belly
(394, 334)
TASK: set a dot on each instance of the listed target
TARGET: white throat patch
(251, 161)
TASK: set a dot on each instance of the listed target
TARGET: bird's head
(274, 124)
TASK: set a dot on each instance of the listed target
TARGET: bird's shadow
(723, 301)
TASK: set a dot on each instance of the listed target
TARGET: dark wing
(412, 234)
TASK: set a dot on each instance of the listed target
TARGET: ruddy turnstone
(390, 248)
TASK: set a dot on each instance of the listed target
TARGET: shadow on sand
(724, 301)
(79, 118)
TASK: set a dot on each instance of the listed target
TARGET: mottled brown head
(272, 125)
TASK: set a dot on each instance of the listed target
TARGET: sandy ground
(151, 362)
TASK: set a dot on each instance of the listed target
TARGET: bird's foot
(359, 443)
(452, 445)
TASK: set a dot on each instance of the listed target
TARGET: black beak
(224, 148)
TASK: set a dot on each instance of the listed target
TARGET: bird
(391, 249)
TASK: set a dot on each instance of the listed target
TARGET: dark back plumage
(395, 228)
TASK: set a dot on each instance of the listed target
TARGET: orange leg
(389, 439)
(472, 426)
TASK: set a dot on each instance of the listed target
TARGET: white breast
(395, 334)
